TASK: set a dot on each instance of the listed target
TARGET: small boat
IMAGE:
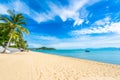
(87, 50)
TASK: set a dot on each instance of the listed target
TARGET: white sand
(38, 66)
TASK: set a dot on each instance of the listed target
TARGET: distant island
(42, 48)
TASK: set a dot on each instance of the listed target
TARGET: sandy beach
(39, 66)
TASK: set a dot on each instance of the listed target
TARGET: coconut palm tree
(19, 41)
(4, 31)
(15, 22)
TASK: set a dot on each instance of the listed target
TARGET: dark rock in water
(87, 50)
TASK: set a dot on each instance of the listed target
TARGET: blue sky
(69, 24)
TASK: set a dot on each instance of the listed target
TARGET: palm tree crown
(16, 25)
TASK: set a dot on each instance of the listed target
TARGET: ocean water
(111, 55)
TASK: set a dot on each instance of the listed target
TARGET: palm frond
(22, 23)
(6, 20)
(23, 29)
(19, 17)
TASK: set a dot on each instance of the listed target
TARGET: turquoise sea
(106, 55)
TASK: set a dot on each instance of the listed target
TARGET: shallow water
(101, 55)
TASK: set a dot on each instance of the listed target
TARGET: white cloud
(88, 42)
(78, 22)
(16, 5)
(41, 17)
(64, 12)
(20, 7)
(74, 10)
(112, 28)
(104, 21)
(3, 9)
(49, 38)
(70, 11)
(82, 41)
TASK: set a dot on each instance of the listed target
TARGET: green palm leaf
(15, 25)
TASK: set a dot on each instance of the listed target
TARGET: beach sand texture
(39, 66)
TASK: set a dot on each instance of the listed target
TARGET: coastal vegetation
(42, 48)
(12, 28)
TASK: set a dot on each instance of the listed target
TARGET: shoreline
(41, 66)
(14, 53)
(76, 58)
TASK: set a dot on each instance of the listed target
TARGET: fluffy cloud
(105, 25)
(20, 7)
(76, 42)
(89, 42)
(3, 9)
(105, 21)
(48, 38)
(70, 11)
(64, 12)
(108, 28)
(74, 10)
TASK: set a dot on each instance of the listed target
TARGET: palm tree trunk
(8, 43)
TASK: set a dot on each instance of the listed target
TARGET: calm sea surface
(101, 55)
